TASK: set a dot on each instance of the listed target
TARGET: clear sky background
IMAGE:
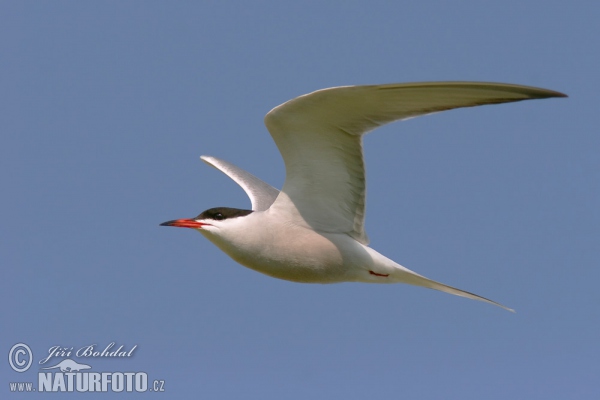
(105, 108)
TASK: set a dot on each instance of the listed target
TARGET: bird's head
(210, 220)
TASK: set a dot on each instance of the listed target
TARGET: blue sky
(107, 106)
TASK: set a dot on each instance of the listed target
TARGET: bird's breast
(286, 251)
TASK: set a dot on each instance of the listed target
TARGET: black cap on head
(221, 213)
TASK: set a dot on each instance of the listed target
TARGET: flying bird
(312, 231)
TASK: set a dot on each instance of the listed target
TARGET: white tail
(412, 278)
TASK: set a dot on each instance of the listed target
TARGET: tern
(312, 231)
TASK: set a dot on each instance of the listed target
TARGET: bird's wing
(261, 194)
(319, 136)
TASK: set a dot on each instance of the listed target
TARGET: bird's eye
(219, 216)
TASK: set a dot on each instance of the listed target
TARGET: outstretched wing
(319, 136)
(261, 194)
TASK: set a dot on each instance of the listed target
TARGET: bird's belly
(306, 256)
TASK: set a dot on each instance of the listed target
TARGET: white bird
(312, 230)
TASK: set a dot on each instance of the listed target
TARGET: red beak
(184, 223)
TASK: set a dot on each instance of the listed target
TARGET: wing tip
(546, 94)
(208, 160)
(559, 94)
(532, 91)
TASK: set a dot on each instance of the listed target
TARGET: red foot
(376, 274)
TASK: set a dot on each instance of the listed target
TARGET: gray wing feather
(261, 194)
(319, 136)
